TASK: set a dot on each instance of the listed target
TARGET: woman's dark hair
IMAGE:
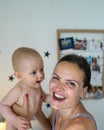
(82, 64)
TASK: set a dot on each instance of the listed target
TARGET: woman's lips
(58, 97)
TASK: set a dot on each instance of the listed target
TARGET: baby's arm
(6, 111)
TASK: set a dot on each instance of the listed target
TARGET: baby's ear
(18, 75)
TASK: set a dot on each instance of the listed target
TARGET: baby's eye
(42, 70)
(34, 72)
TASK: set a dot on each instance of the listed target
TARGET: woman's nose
(61, 85)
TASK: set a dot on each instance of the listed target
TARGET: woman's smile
(58, 97)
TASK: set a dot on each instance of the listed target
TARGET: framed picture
(66, 43)
(89, 44)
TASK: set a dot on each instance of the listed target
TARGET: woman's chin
(55, 106)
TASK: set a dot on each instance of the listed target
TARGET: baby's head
(23, 56)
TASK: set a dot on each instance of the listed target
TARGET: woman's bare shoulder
(80, 123)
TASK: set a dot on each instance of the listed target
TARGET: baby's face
(32, 71)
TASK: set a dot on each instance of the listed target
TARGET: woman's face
(66, 85)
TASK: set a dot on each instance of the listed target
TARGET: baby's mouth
(58, 97)
(38, 81)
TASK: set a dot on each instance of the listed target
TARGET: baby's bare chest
(34, 100)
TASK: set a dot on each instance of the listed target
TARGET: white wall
(33, 23)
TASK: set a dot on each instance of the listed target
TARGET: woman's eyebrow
(56, 75)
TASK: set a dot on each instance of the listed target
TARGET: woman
(69, 83)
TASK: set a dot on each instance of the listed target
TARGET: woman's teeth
(58, 97)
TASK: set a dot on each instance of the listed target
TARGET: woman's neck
(70, 113)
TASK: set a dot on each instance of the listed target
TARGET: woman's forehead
(67, 68)
(66, 65)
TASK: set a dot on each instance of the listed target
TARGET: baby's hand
(21, 123)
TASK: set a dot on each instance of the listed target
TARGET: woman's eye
(55, 78)
(72, 84)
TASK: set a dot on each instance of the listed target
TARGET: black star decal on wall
(11, 78)
(46, 54)
(47, 105)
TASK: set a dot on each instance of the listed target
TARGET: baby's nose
(40, 75)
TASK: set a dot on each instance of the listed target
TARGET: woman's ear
(83, 92)
(18, 76)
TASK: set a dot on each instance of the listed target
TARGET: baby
(29, 70)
